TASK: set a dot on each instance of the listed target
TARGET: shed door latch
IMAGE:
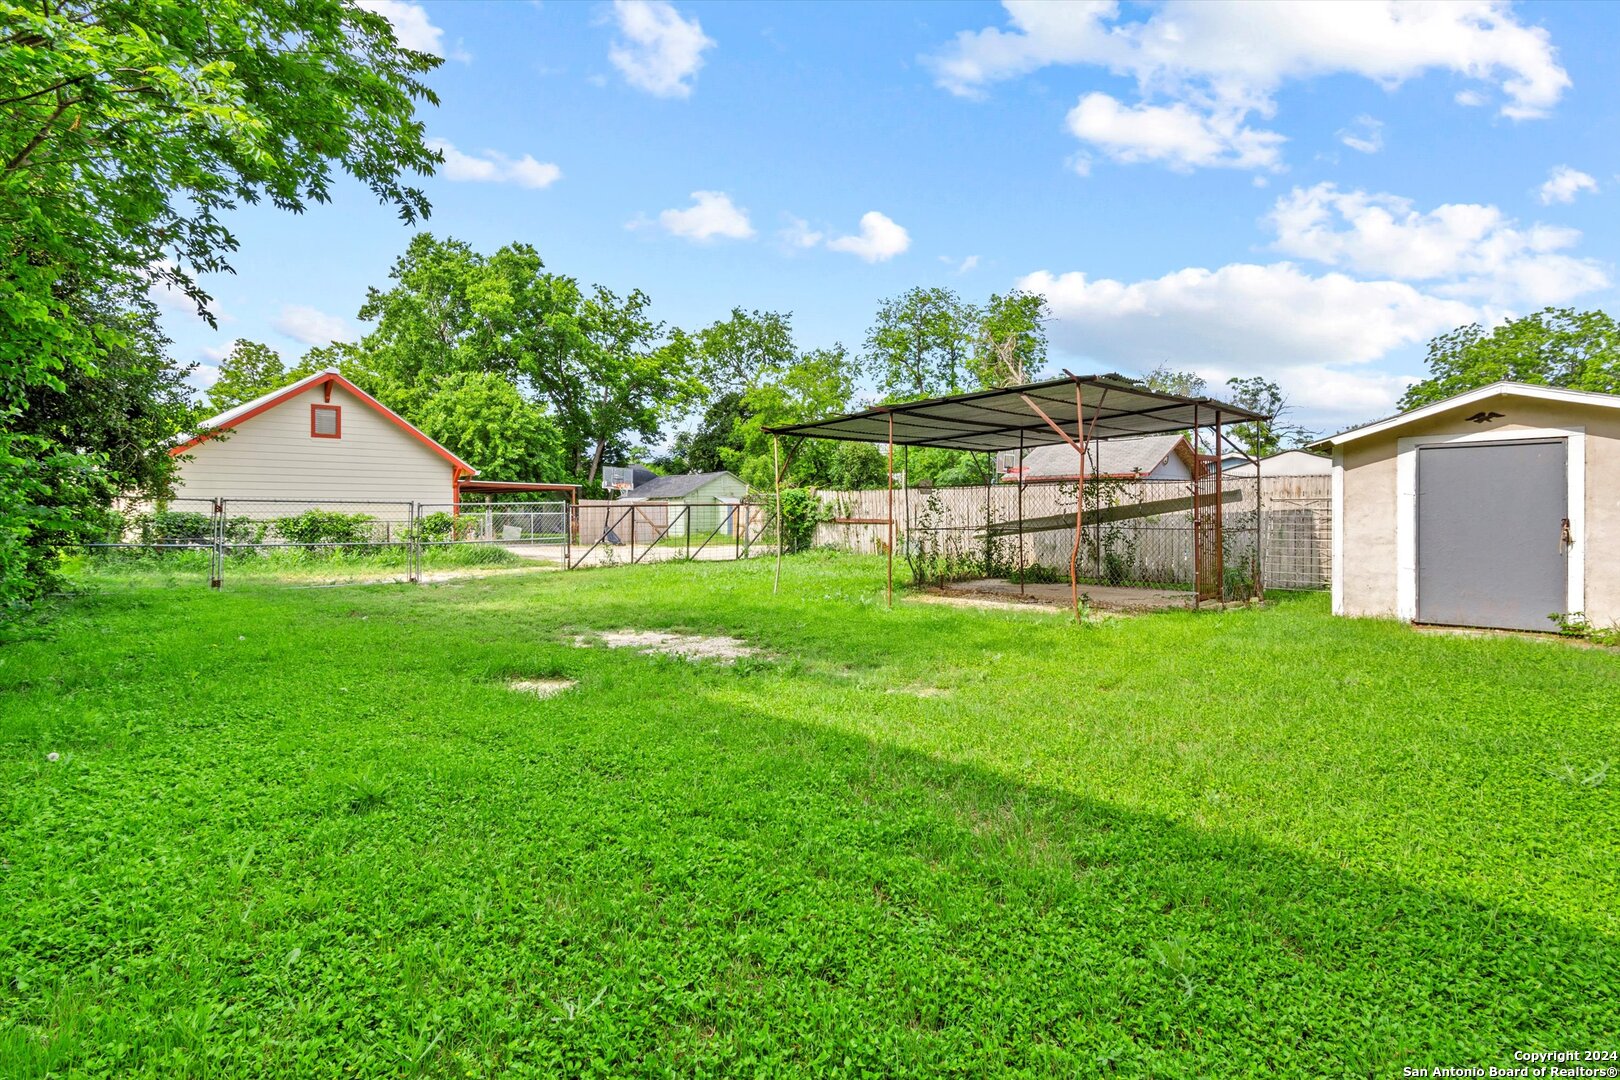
(1568, 538)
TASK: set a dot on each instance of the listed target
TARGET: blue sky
(1303, 192)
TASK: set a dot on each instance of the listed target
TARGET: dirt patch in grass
(541, 687)
(920, 690)
(721, 649)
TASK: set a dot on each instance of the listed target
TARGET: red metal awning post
(1079, 503)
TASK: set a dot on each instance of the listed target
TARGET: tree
(450, 309)
(1552, 347)
(1011, 344)
(127, 129)
(609, 369)
(604, 368)
(818, 384)
(735, 353)
(248, 370)
(1262, 438)
(122, 415)
(480, 417)
(921, 343)
(1165, 380)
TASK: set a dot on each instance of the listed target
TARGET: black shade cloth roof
(990, 420)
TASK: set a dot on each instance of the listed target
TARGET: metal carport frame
(1093, 407)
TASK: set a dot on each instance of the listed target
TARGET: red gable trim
(298, 388)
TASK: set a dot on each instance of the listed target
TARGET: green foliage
(247, 371)
(931, 841)
(1263, 438)
(744, 350)
(1011, 344)
(482, 418)
(1552, 347)
(801, 513)
(1576, 624)
(921, 344)
(127, 130)
(325, 527)
(1166, 380)
(603, 368)
(172, 526)
(435, 527)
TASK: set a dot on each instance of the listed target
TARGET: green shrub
(801, 513)
(325, 527)
(175, 526)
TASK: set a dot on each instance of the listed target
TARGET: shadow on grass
(1080, 935)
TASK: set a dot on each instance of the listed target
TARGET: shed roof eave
(1470, 397)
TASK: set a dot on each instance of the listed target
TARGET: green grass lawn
(311, 832)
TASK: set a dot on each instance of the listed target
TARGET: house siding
(1369, 508)
(273, 456)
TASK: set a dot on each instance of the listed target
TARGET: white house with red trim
(322, 438)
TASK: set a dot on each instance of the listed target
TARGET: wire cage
(1135, 533)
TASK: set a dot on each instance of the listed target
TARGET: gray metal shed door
(1490, 534)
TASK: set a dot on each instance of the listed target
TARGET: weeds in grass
(775, 867)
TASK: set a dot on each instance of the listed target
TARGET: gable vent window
(326, 421)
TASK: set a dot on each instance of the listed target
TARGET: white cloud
(967, 264)
(1243, 316)
(799, 235)
(494, 167)
(657, 50)
(1469, 250)
(1364, 134)
(1563, 184)
(1472, 99)
(412, 27)
(1176, 135)
(1315, 335)
(162, 291)
(1219, 62)
(311, 326)
(712, 214)
(879, 240)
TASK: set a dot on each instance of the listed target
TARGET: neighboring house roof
(1107, 458)
(674, 487)
(240, 414)
(1529, 391)
(1286, 463)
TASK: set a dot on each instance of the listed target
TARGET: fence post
(216, 564)
(411, 539)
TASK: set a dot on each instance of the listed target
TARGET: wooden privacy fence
(1121, 545)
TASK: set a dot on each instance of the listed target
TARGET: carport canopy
(1074, 410)
(1013, 417)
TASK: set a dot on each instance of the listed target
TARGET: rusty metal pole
(1079, 503)
(1220, 494)
(989, 488)
(888, 592)
(1021, 573)
(1197, 486)
(1259, 532)
(776, 470)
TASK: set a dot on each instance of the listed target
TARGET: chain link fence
(220, 542)
(1138, 533)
